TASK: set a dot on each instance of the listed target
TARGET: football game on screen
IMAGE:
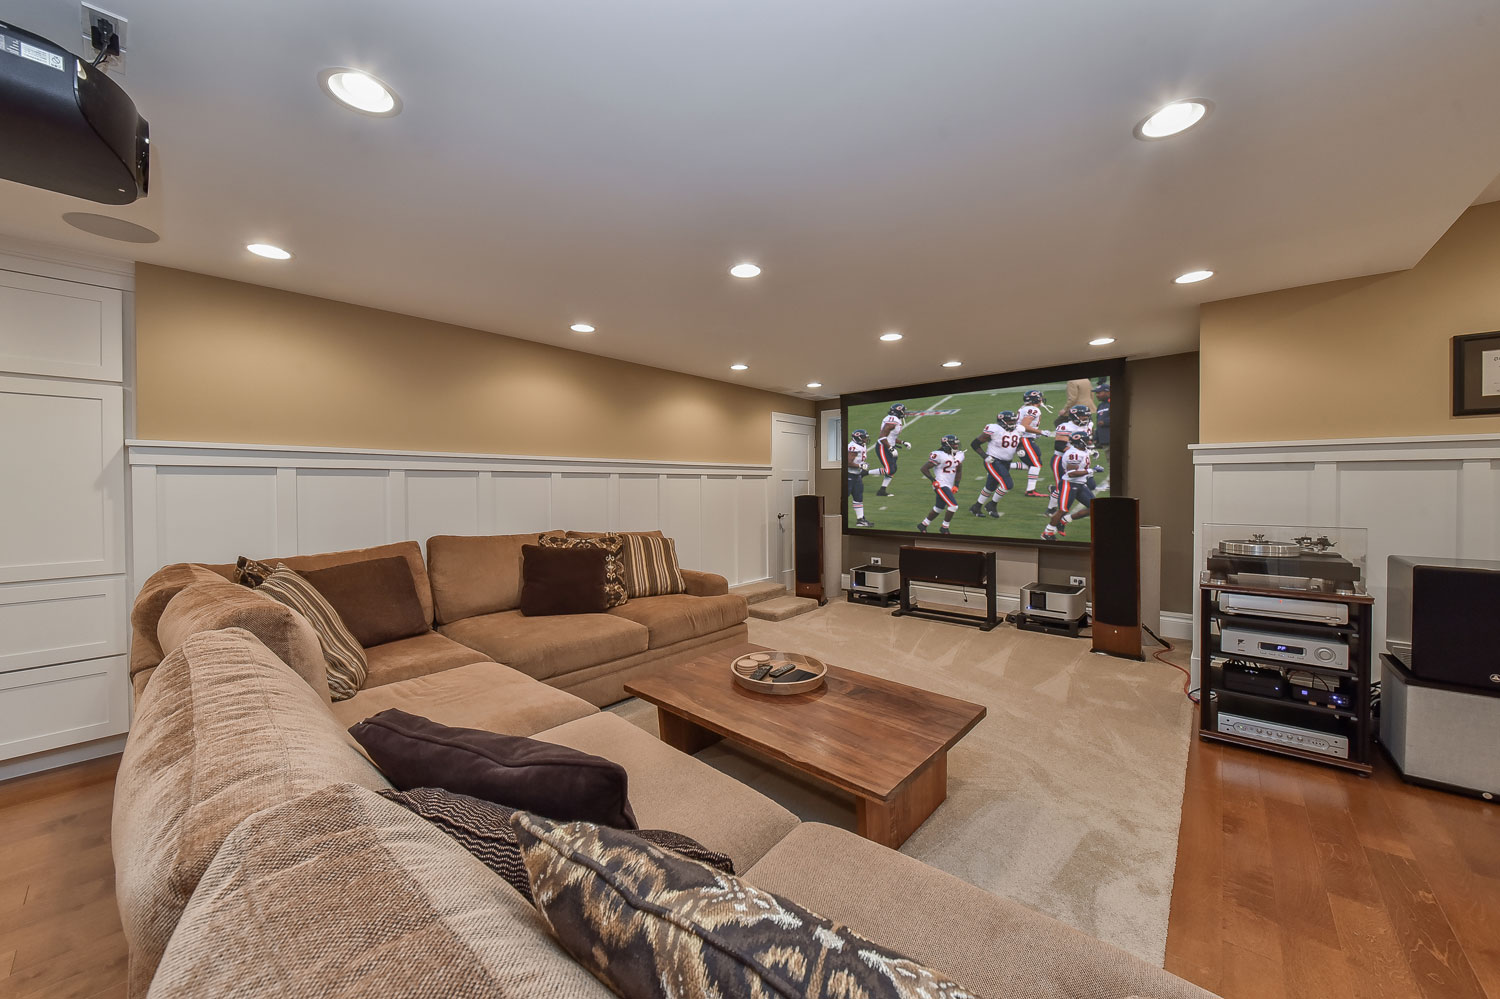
(1020, 462)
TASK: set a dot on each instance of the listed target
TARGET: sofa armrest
(704, 584)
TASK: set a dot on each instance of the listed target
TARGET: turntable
(1329, 560)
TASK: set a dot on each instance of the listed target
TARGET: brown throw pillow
(540, 777)
(248, 572)
(644, 921)
(563, 580)
(376, 598)
(483, 828)
(651, 568)
(346, 660)
(614, 566)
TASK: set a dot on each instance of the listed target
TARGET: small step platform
(781, 608)
(755, 593)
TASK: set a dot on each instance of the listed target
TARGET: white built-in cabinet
(63, 590)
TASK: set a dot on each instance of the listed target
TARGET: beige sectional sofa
(255, 858)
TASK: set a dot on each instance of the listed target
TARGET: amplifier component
(1293, 736)
(1246, 679)
(1286, 608)
(1306, 650)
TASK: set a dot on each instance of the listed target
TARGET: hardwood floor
(1292, 881)
(60, 934)
(1295, 881)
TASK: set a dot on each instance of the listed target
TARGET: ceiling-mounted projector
(65, 126)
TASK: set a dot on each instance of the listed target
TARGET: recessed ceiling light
(581, 328)
(360, 91)
(268, 251)
(1174, 118)
(1192, 277)
(953, 364)
(814, 384)
(739, 367)
(1101, 341)
(744, 270)
(890, 337)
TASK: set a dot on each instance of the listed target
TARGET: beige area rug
(1066, 797)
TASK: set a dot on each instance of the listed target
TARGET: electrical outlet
(1078, 580)
(92, 16)
(874, 559)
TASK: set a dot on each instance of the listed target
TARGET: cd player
(1306, 650)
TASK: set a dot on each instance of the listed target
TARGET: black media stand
(953, 567)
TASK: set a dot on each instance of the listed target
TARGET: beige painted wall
(1163, 422)
(222, 361)
(1367, 357)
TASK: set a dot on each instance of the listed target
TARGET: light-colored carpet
(1068, 795)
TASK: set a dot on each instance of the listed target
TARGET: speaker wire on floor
(1157, 655)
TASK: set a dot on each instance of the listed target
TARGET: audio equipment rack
(1286, 720)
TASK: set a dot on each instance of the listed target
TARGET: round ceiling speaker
(110, 228)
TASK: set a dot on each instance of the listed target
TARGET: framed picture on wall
(1476, 374)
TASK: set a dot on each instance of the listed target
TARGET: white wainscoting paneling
(1437, 496)
(214, 502)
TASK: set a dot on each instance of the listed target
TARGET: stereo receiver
(1307, 650)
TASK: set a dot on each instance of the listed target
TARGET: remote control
(782, 670)
(760, 672)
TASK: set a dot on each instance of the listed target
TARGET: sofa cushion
(419, 656)
(548, 646)
(409, 550)
(544, 777)
(474, 575)
(484, 829)
(341, 650)
(376, 598)
(613, 546)
(654, 925)
(481, 695)
(210, 606)
(678, 617)
(671, 790)
(223, 730)
(344, 894)
(563, 580)
(996, 946)
(156, 592)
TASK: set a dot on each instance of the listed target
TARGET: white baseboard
(38, 762)
(1176, 624)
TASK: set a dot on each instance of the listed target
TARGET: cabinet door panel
(62, 621)
(59, 328)
(62, 479)
(54, 706)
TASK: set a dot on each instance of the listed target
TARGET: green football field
(964, 416)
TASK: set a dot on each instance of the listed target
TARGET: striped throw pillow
(342, 653)
(651, 568)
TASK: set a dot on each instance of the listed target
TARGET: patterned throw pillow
(346, 660)
(484, 829)
(614, 566)
(248, 572)
(650, 924)
(651, 566)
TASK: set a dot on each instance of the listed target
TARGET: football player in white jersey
(943, 468)
(1030, 418)
(1076, 467)
(890, 442)
(857, 466)
(1078, 419)
(996, 446)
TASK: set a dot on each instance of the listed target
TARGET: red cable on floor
(1157, 655)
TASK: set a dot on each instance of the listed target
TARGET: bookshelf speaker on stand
(1116, 575)
(807, 546)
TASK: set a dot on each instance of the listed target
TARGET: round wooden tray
(742, 667)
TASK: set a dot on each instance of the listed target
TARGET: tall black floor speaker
(1117, 576)
(807, 545)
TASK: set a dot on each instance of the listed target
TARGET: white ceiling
(961, 171)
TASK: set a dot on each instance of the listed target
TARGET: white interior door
(793, 453)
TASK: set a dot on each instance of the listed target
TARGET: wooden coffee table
(882, 741)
